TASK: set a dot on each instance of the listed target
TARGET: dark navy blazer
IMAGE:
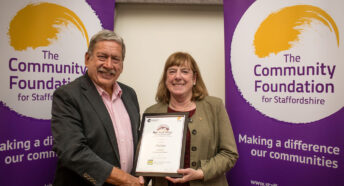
(84, 137)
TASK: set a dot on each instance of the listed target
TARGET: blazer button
(194, 148)
(194, 164)
(194, 132)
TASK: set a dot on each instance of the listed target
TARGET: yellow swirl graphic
(38, 25)
(279, 29)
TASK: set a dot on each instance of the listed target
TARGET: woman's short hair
(199, 90)
(106, 35)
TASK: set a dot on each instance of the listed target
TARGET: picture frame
(161, 147)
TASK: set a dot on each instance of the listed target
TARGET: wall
(153, 31)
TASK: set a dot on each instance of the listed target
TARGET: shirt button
(194, 148)
(194, 132)
(190, 120)
(194, 164)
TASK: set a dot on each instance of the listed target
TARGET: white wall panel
(152, 32)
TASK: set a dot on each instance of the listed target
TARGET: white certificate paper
(161, 151)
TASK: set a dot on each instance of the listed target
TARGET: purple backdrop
(253, 168)
(22, 163)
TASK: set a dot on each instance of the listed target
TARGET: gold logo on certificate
(150, 162)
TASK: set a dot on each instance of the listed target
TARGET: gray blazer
(212, 146)
(84, 137)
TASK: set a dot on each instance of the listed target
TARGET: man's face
(105, 64)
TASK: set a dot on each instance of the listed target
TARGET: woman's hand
(188, 175)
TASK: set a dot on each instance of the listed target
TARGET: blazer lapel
(90, 91)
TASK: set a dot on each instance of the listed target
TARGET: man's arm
(70, 142)
(119, 177)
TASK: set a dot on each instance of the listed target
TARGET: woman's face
(179, 81)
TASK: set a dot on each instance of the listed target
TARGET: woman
(210, 148)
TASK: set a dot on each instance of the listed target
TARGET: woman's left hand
(188, 175)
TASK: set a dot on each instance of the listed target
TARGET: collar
(116, 92)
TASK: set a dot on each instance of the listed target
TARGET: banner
(284, 91)
(42, 47)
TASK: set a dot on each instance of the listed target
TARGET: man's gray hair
(106, 35)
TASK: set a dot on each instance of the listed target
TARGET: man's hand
(188, 175)
(121, 178)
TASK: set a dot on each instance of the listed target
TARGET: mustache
(104, 70)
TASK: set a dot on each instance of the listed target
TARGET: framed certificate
(162, 144)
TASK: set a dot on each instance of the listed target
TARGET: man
(95, 120)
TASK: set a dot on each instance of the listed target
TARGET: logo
(162, 129)
(43, 45)
(150, 162)
(50, 19)
(281, 30)
(286, 59)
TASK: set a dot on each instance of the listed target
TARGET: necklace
(182, 107)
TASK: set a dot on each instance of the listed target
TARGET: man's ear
(87, 58)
